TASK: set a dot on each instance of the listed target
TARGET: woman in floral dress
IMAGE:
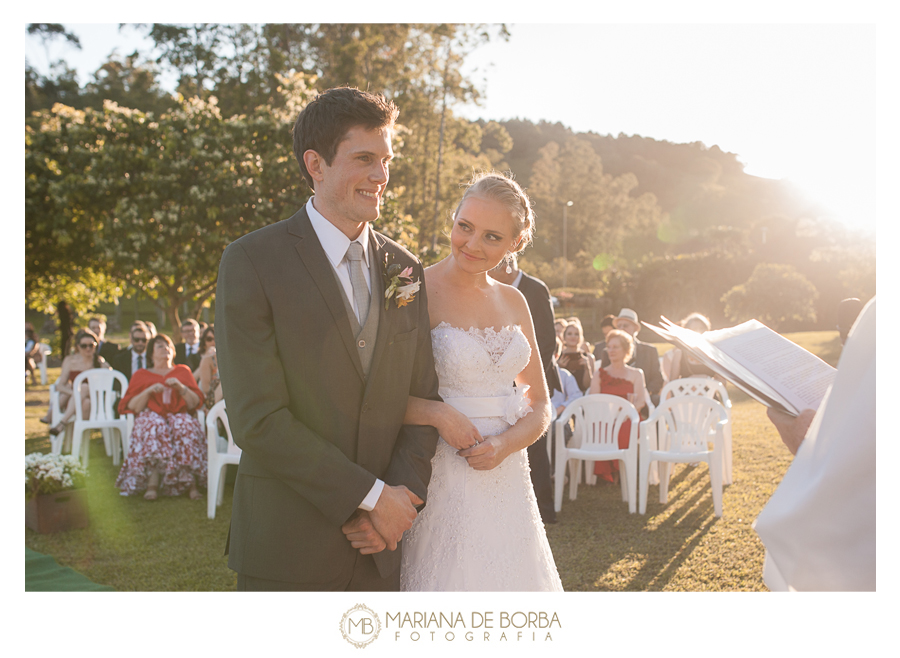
(167, 450)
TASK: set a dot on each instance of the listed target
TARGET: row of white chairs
(688, 426)
(101, 385)
(221, 450)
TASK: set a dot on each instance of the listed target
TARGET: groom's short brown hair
(324, 122)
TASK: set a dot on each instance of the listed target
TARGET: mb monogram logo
(360, 626)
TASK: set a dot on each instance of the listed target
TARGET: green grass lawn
(170, 545)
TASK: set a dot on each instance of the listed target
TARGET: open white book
(761, 362)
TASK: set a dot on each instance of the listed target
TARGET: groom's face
(349, 191)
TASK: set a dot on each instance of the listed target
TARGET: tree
(128, 82)
(152, 201)
(604, 210)
(775, 295)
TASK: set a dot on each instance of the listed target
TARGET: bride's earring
(508, 265)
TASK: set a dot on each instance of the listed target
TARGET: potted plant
(55, 495)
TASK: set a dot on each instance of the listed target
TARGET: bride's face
(483, 231)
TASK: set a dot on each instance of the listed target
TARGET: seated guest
(188, 351)
(607, 324)
(207, 374)
(676, 365)
(84, 358)
(560, 326)
(561, 397)
(129, 361)
(585, 346)
(621, 380)
(569, 390)
(645, 356)
(167, 451)
(577, 361)
(107, 349)
(33, 354)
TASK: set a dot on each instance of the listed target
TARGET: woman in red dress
(623, 381)
(167, 450)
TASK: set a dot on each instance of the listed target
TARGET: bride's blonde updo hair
(499, 187)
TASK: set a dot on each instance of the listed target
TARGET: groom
(316, 366)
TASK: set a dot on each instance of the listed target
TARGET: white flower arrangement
(49, 474)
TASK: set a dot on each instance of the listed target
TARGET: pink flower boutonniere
(398, 283)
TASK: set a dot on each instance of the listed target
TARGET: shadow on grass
(599, 546)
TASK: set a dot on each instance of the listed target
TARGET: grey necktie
(358, 281)
(140, 361)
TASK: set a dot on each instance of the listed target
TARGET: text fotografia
(478, 626)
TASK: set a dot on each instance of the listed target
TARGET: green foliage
(152, 201)
(83, 288)
(774, 295)
(604, 210)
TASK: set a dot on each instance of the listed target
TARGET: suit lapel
(322, 274)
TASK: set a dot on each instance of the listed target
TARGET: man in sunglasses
(134, 358)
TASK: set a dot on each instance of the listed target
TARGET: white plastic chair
(58, 442)
(710, 388)
(45, 354)
(103, 412)
(221, 452)
(596, 438)
(680, 431)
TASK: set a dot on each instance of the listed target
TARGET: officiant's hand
(394, 513)
(792, 429)
(362, 534)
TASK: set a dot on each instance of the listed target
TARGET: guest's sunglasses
(87, 346)
(210, 339)
(138, 340)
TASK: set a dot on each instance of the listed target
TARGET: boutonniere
(398, 283)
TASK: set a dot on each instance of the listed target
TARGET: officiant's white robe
(819, 525)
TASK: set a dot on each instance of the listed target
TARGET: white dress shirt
(335, 244)
(570, 390)
(134, 360)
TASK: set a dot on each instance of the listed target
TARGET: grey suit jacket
(315, 433)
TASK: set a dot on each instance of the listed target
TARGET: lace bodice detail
(478, 362)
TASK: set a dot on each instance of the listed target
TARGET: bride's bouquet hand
(457, 430)
(488, 454)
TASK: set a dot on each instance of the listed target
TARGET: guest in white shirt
(560, 399)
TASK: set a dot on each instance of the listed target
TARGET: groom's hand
(362, 534)
(394, 513)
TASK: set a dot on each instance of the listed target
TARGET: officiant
(819, 525)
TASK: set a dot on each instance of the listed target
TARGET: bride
(481, 529)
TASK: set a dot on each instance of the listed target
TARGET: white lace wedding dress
(480, 530)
